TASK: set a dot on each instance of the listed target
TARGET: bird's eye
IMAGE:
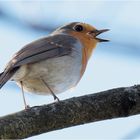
(78, 28)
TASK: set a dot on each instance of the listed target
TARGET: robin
(55, 63)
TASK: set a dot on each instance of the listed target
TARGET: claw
(56, 98)
(27, 107)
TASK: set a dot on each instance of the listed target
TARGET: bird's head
(87, 34)
(83, 30)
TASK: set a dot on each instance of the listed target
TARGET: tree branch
(119, 102)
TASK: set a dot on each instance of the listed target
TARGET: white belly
(60, 74)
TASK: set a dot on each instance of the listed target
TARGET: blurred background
(113, 64)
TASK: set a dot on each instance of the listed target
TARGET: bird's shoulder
(50, 41)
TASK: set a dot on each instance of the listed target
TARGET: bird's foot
(27, 107)
(56, 99)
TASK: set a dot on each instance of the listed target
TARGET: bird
(55, 63)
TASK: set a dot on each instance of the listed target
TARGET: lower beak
(98, 32)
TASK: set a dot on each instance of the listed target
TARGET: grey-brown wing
(45, 48)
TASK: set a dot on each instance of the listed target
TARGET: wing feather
(44, 48)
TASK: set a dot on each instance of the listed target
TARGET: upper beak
(95, 33)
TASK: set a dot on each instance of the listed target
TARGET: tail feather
(5, 76)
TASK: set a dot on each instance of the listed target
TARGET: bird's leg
(26, 106)
(52, 93)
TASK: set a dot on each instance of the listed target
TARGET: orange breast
(88, 46)
(84, 61)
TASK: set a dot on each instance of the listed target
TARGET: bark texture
(114, 103)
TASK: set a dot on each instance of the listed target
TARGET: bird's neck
(87, 50)
(89, 46)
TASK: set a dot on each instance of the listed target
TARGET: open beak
(95, 33)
